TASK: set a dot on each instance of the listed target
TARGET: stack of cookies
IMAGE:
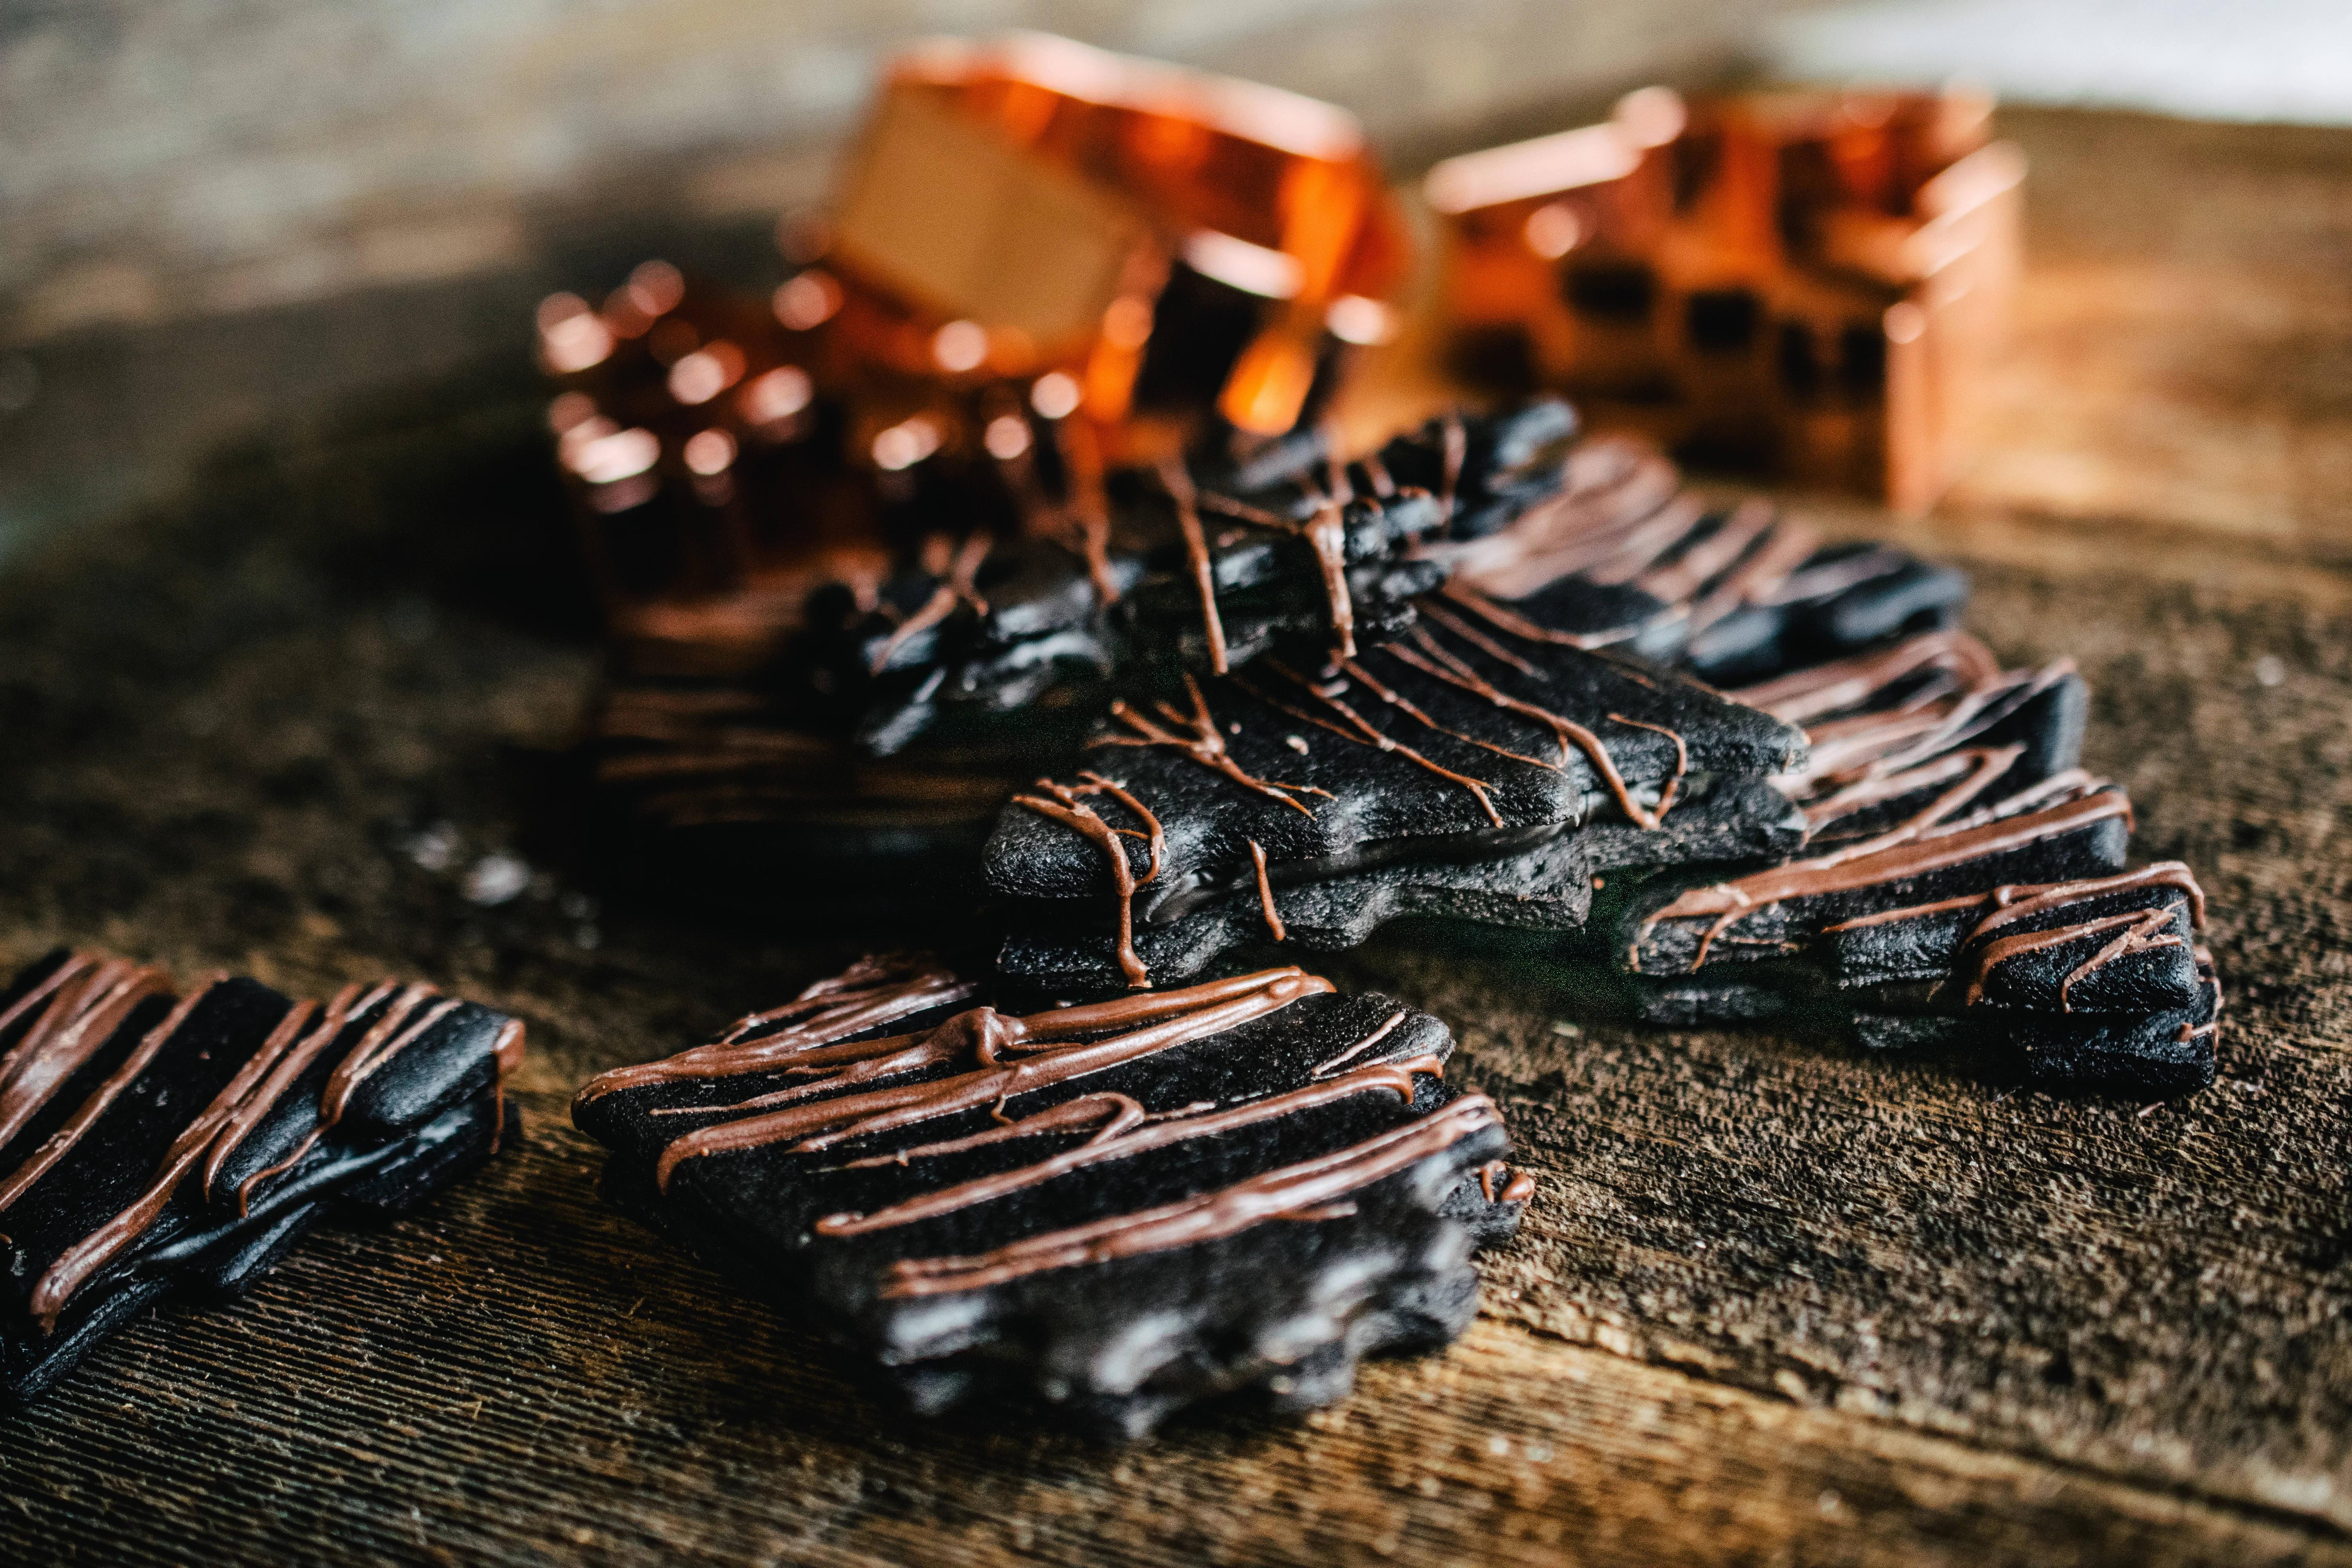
(1490, 673)
(1878, 827)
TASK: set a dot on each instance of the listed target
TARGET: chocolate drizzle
(1197, 736)
(1015, 1055)
(1518, 626)
(1266, 891)
(873, 992)
(378, 1046)
(1726, 903)
(58, 1144)
(959, 588)
(1064, 803)
(1454, 670)
(1360, 730)
(1826, 688)
(1089, 510)
(1518, 1185)
(2138, 930)
(87, 999)
(1324, 532)
(1127, 1131)
(2140, 933)
(1308, 1190)
(1179, 485)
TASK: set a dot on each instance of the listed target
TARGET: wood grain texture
(1776, 1301)
(513, 1377)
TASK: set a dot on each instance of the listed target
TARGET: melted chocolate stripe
(1644, 545)
(1833, 578)
(74, 965)
(1730, 901)
(1179, 485)
(1758, 577)
(1427, 610)
(824, 1013)
(329, 1029)
(1974, 711)
(1388, 1026)
(883, 1110)
(957, 589)
(1518, 626)
(94, 1251)
(1710, 557)
(1454, 670)
(1458, 452)
(81, 1017)
(1290, 1191)
(876, 1111)
(1806, 878)
(1393, 1077)
(1983, 768)
(2019, 900)
(1242, 511)
(2164, 873)
(58, 1144)
(1081, 456)
(1827, 688)
(1364, 734)
(839, 1009)
(379, 1046)
(859, 1060)
(1115, 1113)
(2143, 925)
(1265, 892)
(1406, 705)
(1875, 788)
(2058, 789)
(1575, 530)
(1201, 741)
(1066, 807)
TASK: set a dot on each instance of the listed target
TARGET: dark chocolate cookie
(1110, 1210)
(1623, 556)
(154, 1143)
(1472, 739)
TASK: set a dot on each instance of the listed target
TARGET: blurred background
(222, 224)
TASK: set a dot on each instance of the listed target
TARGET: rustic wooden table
(1775, 1302)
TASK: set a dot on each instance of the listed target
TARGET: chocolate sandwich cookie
(1196, 564)
(713, 789)
(2097, 985)
(1908, 736)
(1192, 579)
(2146, 1056)
(1110, 1211)
(154, 1142)
(2066, 827)
(1471, 740)
(2013, 932)
(880, 740)
(1546, 887)
(1623, 556)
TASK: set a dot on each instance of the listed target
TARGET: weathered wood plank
(520, 1375)
(1998, 1326)
(2159, 1291)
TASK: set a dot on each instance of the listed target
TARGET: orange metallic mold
(1044, 261)
(1808, 284)
(1030, 204)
